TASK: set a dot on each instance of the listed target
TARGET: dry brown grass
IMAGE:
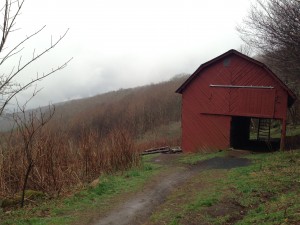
(60, 163)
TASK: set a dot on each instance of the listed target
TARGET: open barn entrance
(257, 134)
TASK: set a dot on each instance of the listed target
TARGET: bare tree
(273, 29)
(9, 81)
(29, 125)
(246, 49)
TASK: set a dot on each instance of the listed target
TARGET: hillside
(87, 137)
(143, 110)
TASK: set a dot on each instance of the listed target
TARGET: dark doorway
(254, 134)
(239, 131)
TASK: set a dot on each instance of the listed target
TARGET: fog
(119, 44)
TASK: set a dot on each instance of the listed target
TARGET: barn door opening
(267, 131)
(255, 133)
(239, 132)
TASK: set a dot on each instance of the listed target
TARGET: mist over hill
(142, 110)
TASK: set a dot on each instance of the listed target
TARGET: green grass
(270, 188)
(293, 130)
(266, 192)
(185, 203)
(101, 198)
(275, 132)
(193, 158)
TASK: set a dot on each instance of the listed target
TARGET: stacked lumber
(165, 149)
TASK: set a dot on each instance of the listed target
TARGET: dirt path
(138, 208)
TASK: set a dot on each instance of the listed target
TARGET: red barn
(222, 96)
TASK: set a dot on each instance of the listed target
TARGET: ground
(139, 207)
(228, 187)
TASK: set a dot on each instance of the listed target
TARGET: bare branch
(38, 56)
(29, 125)
(9, 85)
(11, 52)
(22, 88)
(9, 22)
(273, 29)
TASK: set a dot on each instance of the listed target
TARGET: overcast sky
(125, 43)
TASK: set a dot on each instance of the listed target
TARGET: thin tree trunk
(25, 183)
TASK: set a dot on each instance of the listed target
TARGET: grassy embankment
(266, 192)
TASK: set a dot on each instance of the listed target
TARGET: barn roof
(292, 96)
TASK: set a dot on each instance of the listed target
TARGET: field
(229, 187)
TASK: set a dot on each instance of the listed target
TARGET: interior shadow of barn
(255, 134)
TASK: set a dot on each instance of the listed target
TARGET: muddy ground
(138, 208)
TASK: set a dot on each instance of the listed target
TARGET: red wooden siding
(242, 102)
(229, 101)
(252, 102)
(207, 109)
(199, 131)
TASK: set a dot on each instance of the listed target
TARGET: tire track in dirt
(139, 207)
